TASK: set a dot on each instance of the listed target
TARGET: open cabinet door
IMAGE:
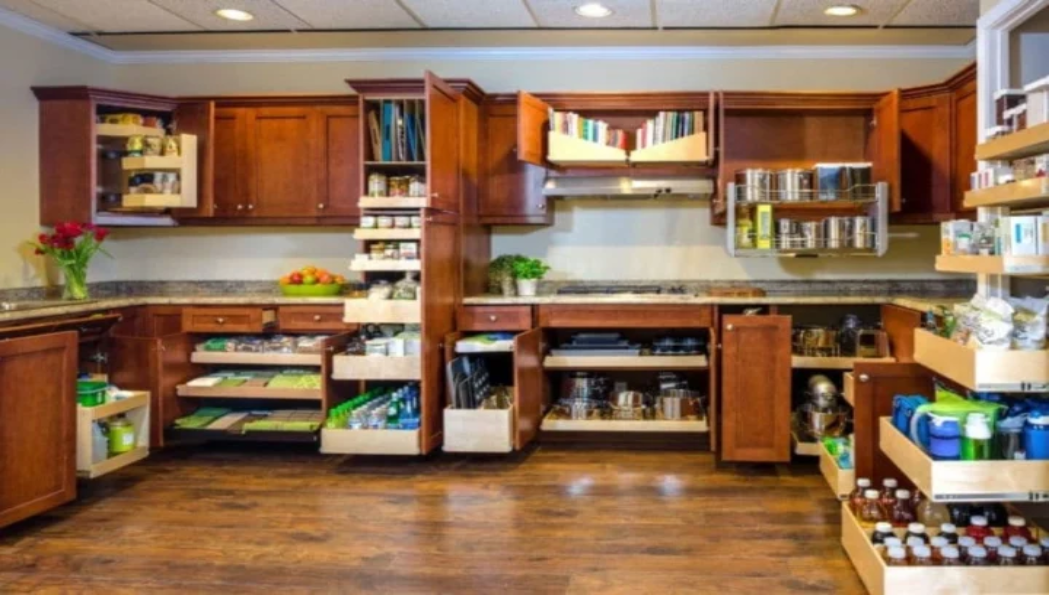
(529, 386)
(157, 365)
(198, 118)
(533, 122)
(875, 386)
(442, 144)
(440, 287)
(755, 389)
(883, 146)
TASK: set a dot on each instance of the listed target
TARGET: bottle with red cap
(978, 528)
(1017, 527)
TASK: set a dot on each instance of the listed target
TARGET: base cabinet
(755, 380)
(38, 434)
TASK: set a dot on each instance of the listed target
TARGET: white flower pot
(527, 287)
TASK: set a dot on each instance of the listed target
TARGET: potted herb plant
(501, 274)
(528, 272)
(72, 246)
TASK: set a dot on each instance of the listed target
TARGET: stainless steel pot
(585, 385)
(679, 404)
(823, 423)
(630, 399)
(822, 393)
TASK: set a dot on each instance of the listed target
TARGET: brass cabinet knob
(251, 207)
(864, 378)
(322, 206)
(240, 207)
(316, 318)
(729, 327)
(493, 318)
(220, 320)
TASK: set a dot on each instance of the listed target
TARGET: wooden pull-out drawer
(227, 320)
(624, 316)
(313, 318)
(495, 318)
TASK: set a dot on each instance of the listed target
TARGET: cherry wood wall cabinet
(938, 148)
(512, 189)
(755, 388)
(38, 432)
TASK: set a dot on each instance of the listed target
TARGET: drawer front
(624, 316)
(495, 318)
(224, 320)
(313, 318)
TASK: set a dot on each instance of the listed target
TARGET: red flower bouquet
(72, 246)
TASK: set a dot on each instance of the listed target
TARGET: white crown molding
(654, 53)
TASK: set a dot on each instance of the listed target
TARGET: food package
(171, 147)
(992, 323)
(1029, 323)
(380, 290)
(407, 288)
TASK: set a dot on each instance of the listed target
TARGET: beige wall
(662, 243)
(26, 61)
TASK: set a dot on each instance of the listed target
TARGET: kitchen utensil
(678, 404)
(822, 392)
(584, 385)
(816, 341)
(848, 328)
(822, 423)
(629, 413)
(630, 399)
(753, 185)
(580, 408)
(793, 185)
(871, 343)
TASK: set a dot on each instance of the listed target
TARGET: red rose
(42, 238)
(39, 252)
(64, 243)
(100, 234)
(69, 230)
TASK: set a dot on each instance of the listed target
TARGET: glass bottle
(932, 514)
(1032, 556)
(1007, 556)
(881, 531)
(897, 556)
(916, 530)
(1018, 527)
(949, 532)
(978, 556)
(965, 543)
(978, 528)
(960, 514)
(936, 544)
(995, 513)
(992, 544)
(921, 555)
(902, 514)
(871, 511)
(1018, 542)
(951, 557)
(857, 497)
(888, 488)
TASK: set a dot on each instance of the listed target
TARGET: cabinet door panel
(964, 138)
(231, 177)
(38, 428)
(341, 175)
(755, 389)
(198, 118)
(533, 122)
(925, 149)
(875, 387)
(513, 188)
(441, 285)
(442, 144)
(283, 162)
(883, 146)
(529, 386)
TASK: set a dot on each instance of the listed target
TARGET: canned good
(377, 251)
(753, 185)
(392, 252)
(402, 222)
(810, 234)
(376, 346)
(152, 146)
(398, 186)
(861, 233)
(368, 221)
(417, 221)
(377, 184)
(384, 222)
(416, 186)
(409, 250)
(135, 145)
(793, 185)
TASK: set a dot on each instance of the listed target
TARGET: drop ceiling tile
(561, 14)
(268, 14)
(715, 13)
(350, 14)
(119, 16)
(32, 10)
(810, 12)
(472, 14)
(938, 13)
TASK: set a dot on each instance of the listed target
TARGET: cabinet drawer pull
(322, 206)
(251, 207)
(493, 318)
(864, 378)
(729, 327)
(220, 320)
(316, 318)
(240, 207)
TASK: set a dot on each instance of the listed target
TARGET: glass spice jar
(416, 186)
(377, 184)
(398, 186)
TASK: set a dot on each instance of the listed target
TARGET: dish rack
(866, 202)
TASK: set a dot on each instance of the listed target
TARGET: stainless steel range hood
(627, 187)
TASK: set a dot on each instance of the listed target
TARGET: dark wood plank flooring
(240, 520)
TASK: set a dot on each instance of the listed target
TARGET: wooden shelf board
(256, 359)
(136, 401)
(393, 202)
(841, 481)
(616, 425)
(802, 362)
(113, 463)
(1025, 143)
(370, 442)
(376, 367)
(157, 201)
(993, 265)
(126, 130)
(365, 235)
(383, 311)
(638, 362)
(206, 435)
(965, 481)
(478, 430)
(688, 149)
(570, 151)
(982, 370)
(1026, 194)
(804, 449)
(385, 265)
(152, 163)
(250, 392)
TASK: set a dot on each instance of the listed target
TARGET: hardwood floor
(549, 521)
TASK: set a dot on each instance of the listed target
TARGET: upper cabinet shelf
(1024, 143)
(1031, 193)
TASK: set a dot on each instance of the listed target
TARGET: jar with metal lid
(121, 436)
(377, 184)
(402, 222)
(367, 221)
(399, 186)
(416, 186)
(392, 252)
(384, 222)
(378, 251)
(417, 221)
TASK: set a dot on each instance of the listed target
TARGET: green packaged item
(91, 393)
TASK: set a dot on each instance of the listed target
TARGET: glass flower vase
(75, 287)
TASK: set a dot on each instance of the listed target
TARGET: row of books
(588, 129)
(668, 126)
(397, 129)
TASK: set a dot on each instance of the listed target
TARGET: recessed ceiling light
(842, 10)
(233, 14)
(593, 10)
